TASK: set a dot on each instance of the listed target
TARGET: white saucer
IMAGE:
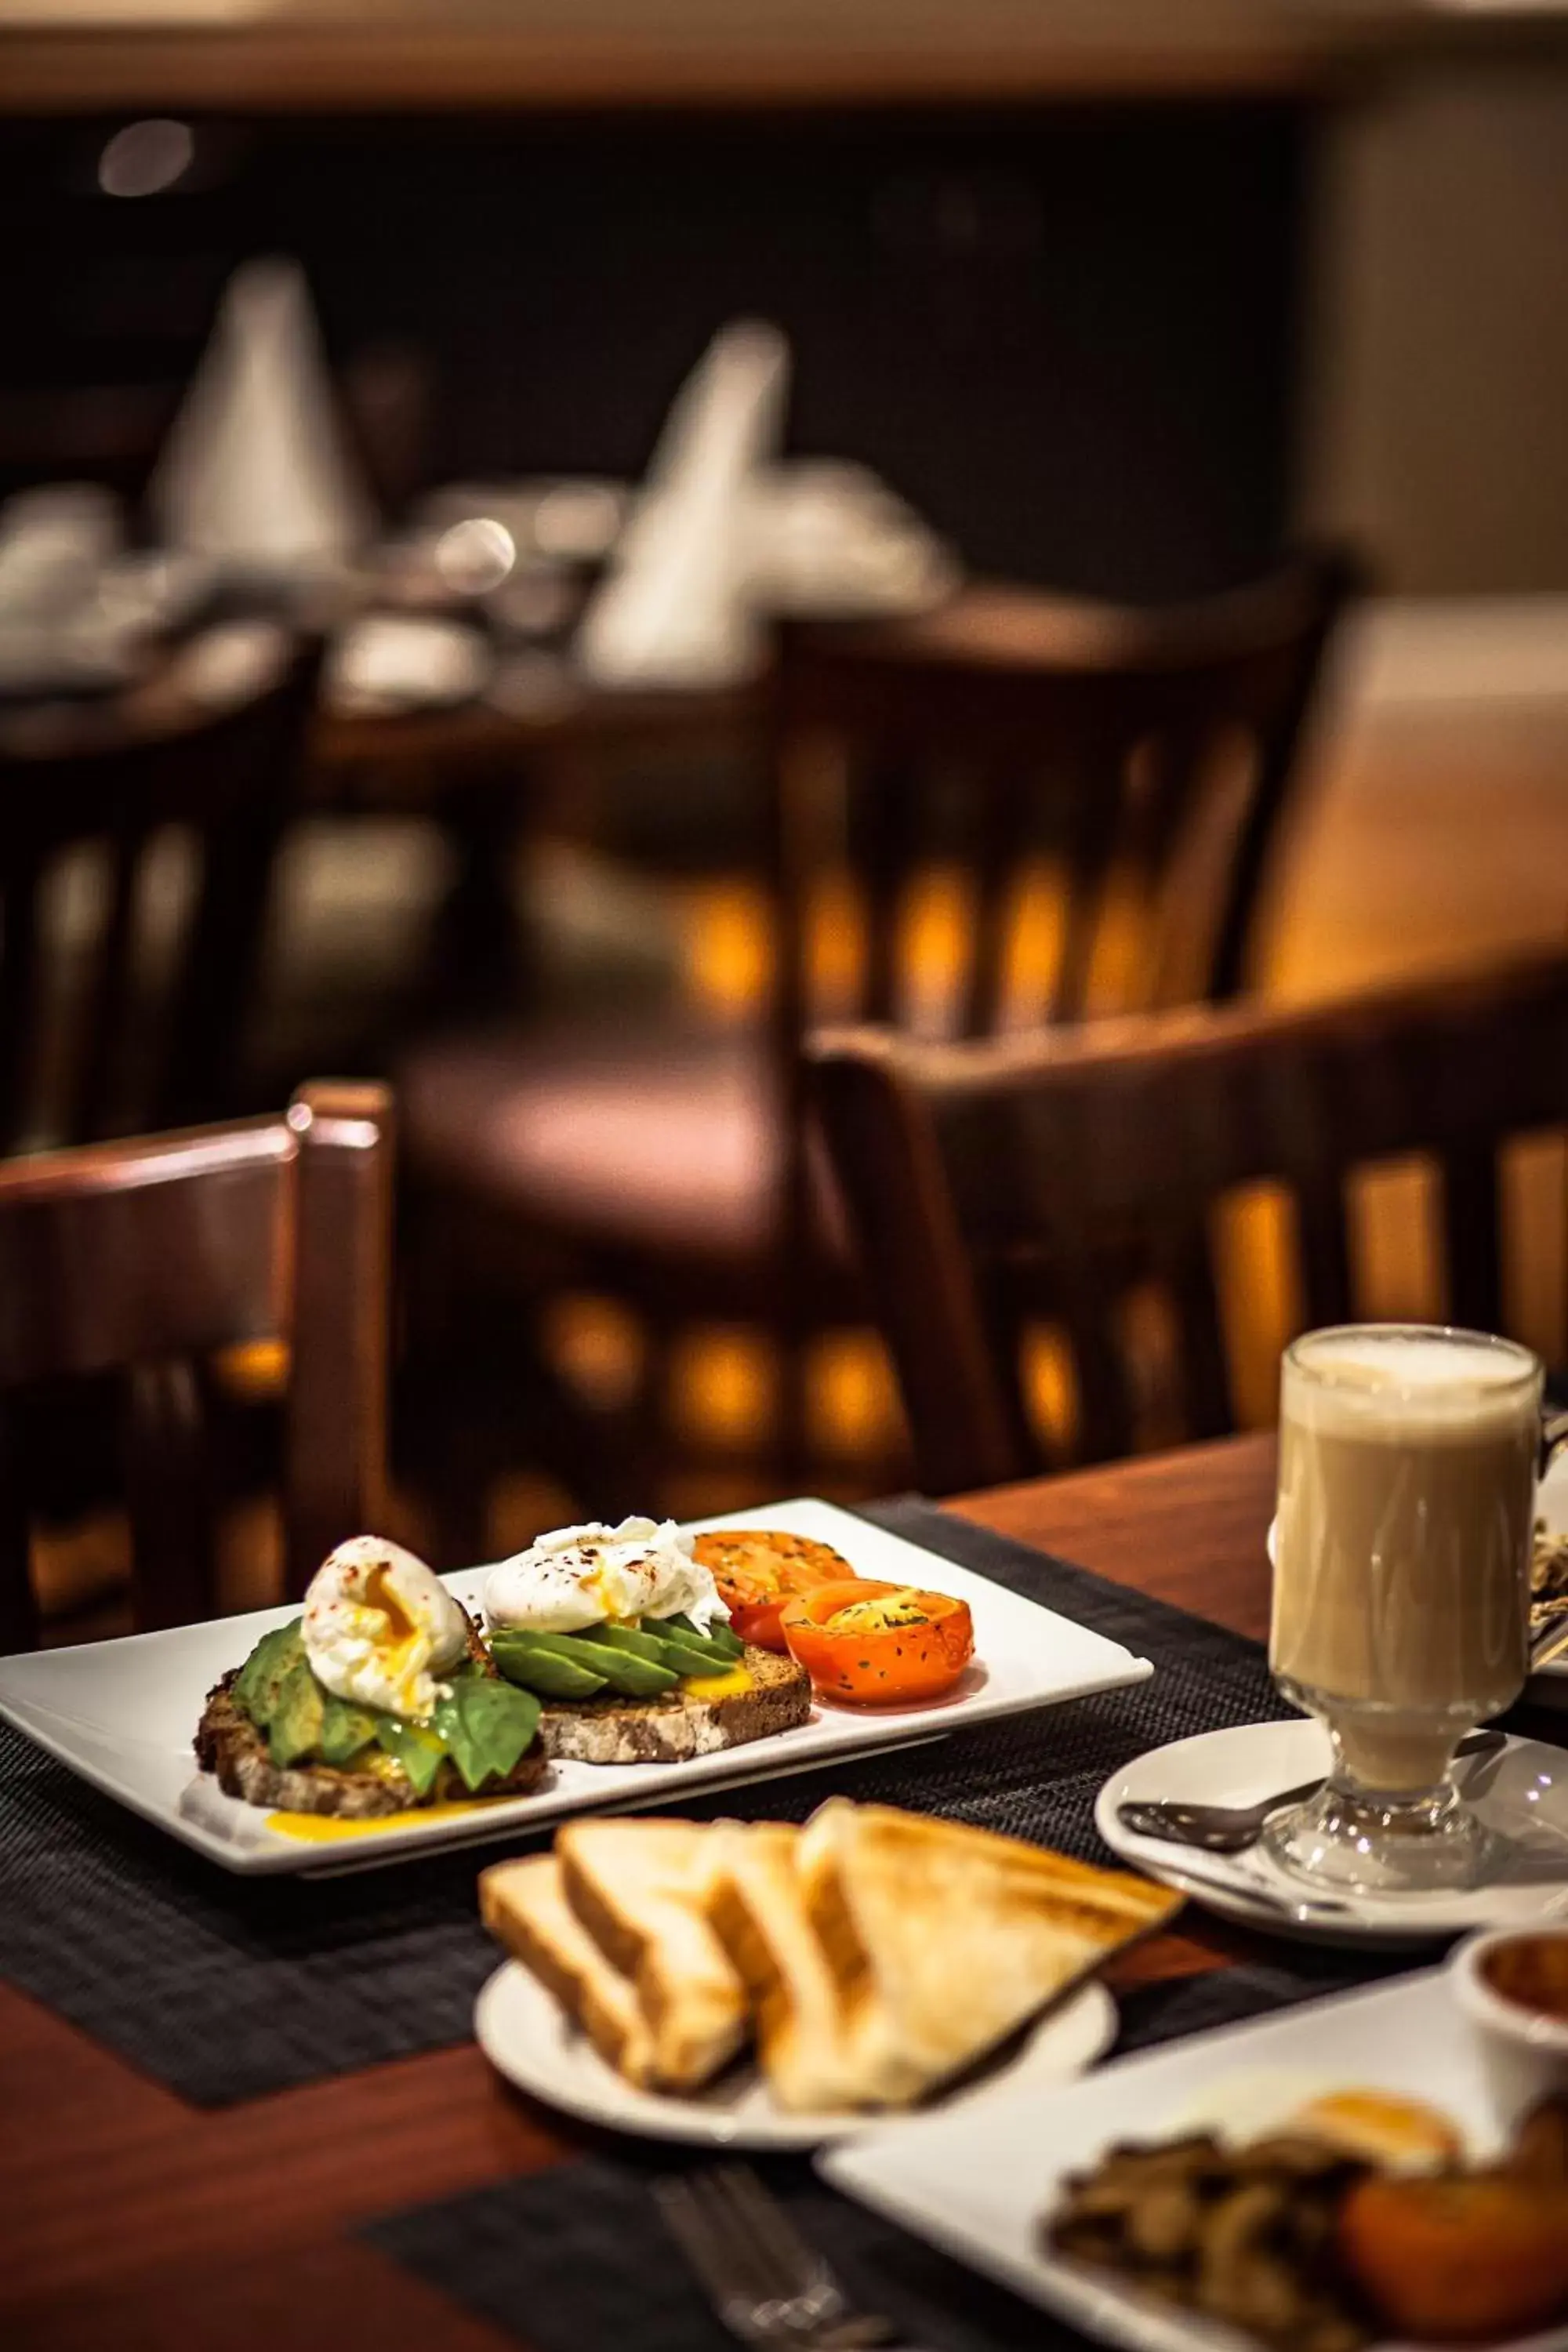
(1520, 1791)
(524, 2032)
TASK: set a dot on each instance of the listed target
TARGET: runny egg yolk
(881, 1615)
(401, 1651)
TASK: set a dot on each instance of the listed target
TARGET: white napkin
(823, 538)
(674, 609)
(255, 473)
(395, 661)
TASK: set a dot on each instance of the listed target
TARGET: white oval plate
(526, 2034)
(1521, 1792)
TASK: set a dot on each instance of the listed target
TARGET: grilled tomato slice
(758, 1570)
(1459, 2259)
(878, 1645)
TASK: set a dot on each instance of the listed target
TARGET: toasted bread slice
(764, 1693)
(641, 1890)
(758, 1909)
(230, 1747)
(525, 1905)
(943, 1939)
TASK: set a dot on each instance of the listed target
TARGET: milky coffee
(1402, 1583)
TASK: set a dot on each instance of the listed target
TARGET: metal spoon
(1231, 1829)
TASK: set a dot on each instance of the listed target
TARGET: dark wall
(1066, 334)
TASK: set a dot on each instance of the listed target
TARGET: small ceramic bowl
(1524, 2049)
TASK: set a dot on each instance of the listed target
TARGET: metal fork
(766, 2284)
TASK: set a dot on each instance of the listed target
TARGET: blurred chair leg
(168, 1495)
(633, 1470)
(18, 1604)
(792, 1459)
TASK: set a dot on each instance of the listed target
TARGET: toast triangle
(640, 1889)
(943, 1939)
(524, 1905)
(758, 1909)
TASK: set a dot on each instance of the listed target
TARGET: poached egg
(380, 1628)
(597, 1575)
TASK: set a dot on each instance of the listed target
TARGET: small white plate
(527, 2035)
(123, 1714)
(1521, 1792)
(980, 2185)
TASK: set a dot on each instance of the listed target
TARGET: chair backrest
(144, 1259)
(211, 746)
(1054, 1179)
(1135, 762)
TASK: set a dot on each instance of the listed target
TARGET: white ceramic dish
(979, 2185)
(123, 1714)
(1525, 2049)
(1522, 1793)
(526, 2034)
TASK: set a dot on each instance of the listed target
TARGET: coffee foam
(1396, 1385)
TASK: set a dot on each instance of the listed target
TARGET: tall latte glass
(1401, 1586)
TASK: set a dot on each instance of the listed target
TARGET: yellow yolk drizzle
(401, 1654)
(323, 1829)
(729, 1684)
(881, 1615)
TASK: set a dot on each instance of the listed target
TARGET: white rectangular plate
(978, 2186)
(123, 1714)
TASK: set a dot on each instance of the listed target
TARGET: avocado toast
(273, 1736)
(656, 1692)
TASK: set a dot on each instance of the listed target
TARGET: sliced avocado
(689, 1652)
(679, 1652)
(719, 1633)
(575, 1647)
(294, 1728)
(694, 1658)
(256, 1685)
(637, 1641)
(345, 1729)
(545, 1671)
(628, 1676)
(634, 1677)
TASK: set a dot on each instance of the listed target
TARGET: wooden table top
(128, 2218)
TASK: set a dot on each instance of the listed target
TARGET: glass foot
(1363, 1842)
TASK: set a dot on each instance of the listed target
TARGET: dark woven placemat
(225, 1987)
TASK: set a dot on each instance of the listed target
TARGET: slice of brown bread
(229, 1745)
(775, 1697)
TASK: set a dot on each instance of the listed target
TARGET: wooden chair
(143, 1258)
(211, 746)
(1051, 1177)
(666, 1162)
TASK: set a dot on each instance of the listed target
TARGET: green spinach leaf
(416, 1749)
(486, 1725)
(345, 1729)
